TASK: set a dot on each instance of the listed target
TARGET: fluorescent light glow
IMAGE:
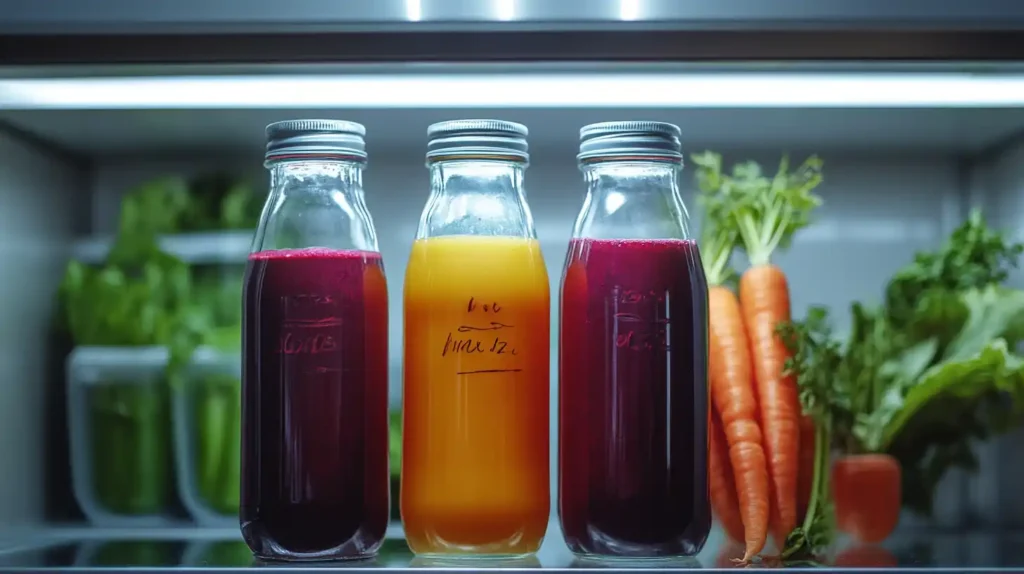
(413, 10)
(761, 90)
(629, 9)
(506, 9)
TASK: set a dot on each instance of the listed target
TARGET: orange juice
(475, 399)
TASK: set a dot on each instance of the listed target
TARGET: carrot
(805, 474)
(866, 493)
(733, 395)
(764, 298)
(732, 392)
(765, 213)
(722, 487)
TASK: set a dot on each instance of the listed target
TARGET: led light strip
(760, 90)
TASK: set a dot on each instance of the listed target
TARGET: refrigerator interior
(897, 179)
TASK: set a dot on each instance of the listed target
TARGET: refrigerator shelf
(220, 550)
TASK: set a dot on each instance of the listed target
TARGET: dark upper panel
(121, 16)
(235, 31)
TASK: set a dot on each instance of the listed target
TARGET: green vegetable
(140, 296)
(219, 422)
(817, 365)
(931, 371)
(131, 447)
(154, 208)
(974, 256)
(175, 205)
(765, 212)
(395, 441)
(395, 455)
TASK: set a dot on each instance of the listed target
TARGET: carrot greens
(816, 362)
(765, 211)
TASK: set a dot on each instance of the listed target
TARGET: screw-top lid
(480, 138)
(316, 138)
(608, 140)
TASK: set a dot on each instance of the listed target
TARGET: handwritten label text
(485, 338)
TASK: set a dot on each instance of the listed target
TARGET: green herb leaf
(973, 257)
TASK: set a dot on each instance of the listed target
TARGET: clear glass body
(475, 390)
(633, 380)
(314, 370)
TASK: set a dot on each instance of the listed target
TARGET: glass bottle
(477, 353)
(315, 354)
(633, 355)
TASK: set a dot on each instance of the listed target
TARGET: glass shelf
(220, 550)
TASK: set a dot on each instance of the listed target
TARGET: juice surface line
(314, 384)
(475, 468)
(633, 353)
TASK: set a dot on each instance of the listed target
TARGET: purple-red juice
(315, 480)
(634, 399)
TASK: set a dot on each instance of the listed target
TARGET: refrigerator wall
(42, 198)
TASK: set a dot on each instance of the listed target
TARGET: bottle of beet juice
(315, 480)
(633, 408)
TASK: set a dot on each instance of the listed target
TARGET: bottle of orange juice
(476, 370)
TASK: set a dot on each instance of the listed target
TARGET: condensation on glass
(475, 470)
(633, 354)
(315, 479)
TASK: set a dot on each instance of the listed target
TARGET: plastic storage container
(208, 408)
(207, 413)
(120, 435)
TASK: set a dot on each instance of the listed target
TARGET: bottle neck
(316, 177)
(632, 200)
(316, 203)
(477, 197)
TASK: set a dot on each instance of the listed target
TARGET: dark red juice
(634, 399)
(315, 481)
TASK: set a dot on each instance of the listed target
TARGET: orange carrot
(733, 396)
(866, 493)
(805, 477)
(764, 298)
(764, 213)
(720, 479)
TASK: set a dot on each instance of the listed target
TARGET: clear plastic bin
(207, 429)
(120, 435)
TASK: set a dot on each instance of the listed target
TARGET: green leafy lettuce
(932, 369)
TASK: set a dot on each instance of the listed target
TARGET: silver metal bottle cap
(315, 138)
(607, 140)
(479, 138)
